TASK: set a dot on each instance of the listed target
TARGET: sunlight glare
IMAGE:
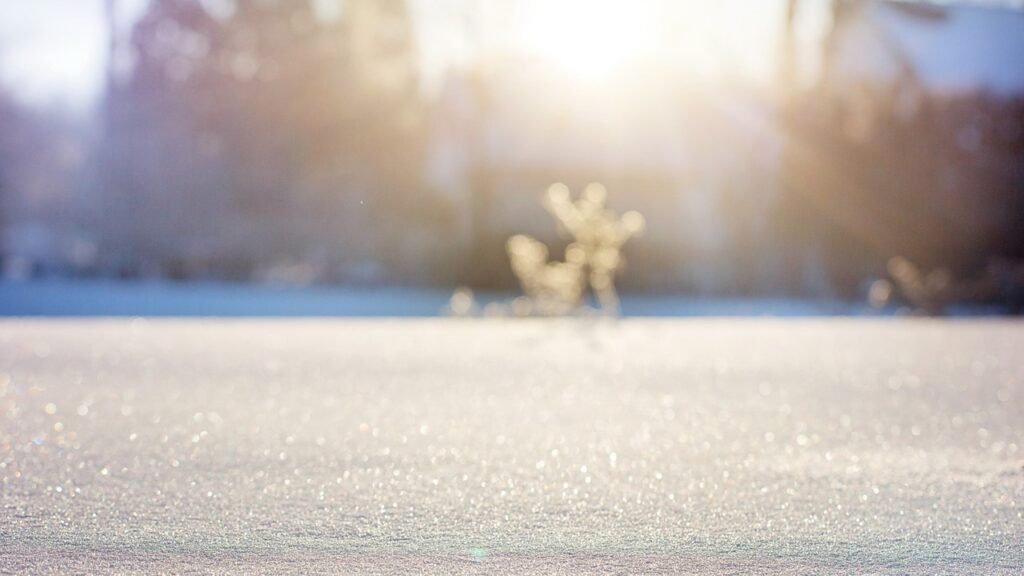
(590, 39)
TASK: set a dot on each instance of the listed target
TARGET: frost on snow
(490, 447)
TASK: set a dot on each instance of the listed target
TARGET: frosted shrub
(593, 258)
(552, 288)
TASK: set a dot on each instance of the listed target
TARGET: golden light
(590, 39)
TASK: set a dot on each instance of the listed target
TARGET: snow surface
(113, 298)
(501, 446)
(204, 299)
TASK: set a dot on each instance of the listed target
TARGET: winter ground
(205, 299)
(829, 446)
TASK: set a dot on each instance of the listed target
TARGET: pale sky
(53, 51)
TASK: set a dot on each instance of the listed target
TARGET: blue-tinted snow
(109, 298)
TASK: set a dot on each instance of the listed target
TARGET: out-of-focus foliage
(935, 291)
(307, 141)
(41, 154)
(553, 288)
(883, 158)
(592, 259)
(269, 132)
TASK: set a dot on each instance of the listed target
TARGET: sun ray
(590, 40)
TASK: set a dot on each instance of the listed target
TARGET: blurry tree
(788, 49)
(8, 119)
(252, 133)
(41, 152)
(875, 166)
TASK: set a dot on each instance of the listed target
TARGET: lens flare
(591, 40)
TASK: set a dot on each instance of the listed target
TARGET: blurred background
(779, 149)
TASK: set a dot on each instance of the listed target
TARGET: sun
(590, 39)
